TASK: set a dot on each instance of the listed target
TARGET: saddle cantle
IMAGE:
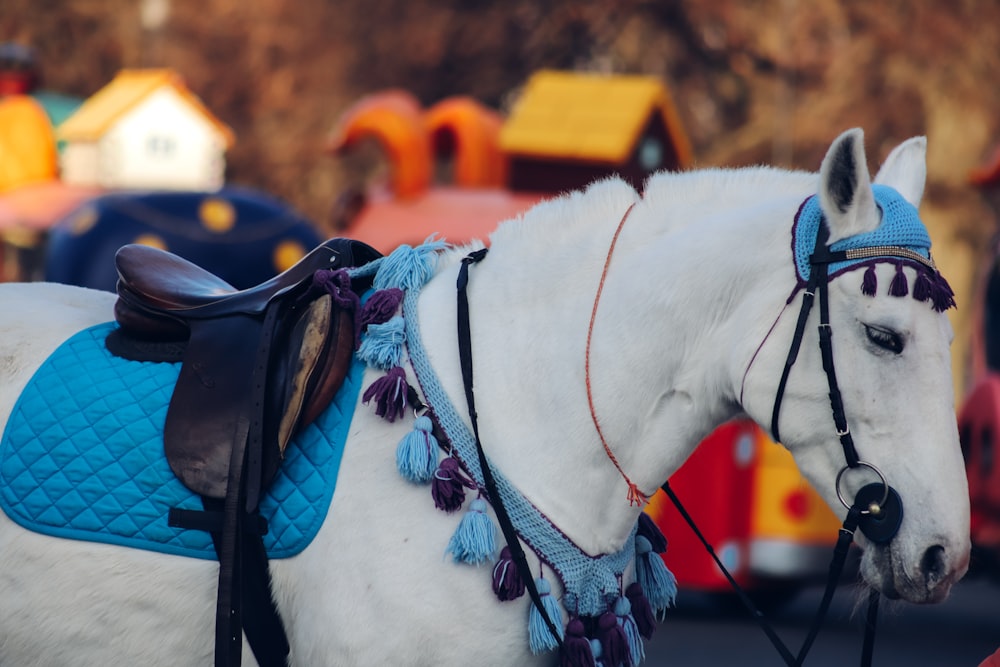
(257, 365)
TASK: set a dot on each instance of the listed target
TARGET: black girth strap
(237, 531)
(492, 492)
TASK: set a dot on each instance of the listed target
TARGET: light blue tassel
(417, 453)
(595, 648)
(656, 580)
(382, 346)
(623, 610)
(540, 639)
(474, 541)
(407, 268)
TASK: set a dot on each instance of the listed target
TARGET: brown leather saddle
(163, 297)
(257, 365)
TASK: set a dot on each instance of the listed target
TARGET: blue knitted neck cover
(591, 582)
(606, 616)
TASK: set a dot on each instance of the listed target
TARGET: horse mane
(686, 195)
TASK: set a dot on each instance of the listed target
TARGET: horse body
(692, 328)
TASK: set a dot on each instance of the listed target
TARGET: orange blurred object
(36, 207)
(27, 143)
(394, 118)
(470, 132)
(987, 173)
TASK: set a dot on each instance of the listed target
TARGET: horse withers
(609, 333)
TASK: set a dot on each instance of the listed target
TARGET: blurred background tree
(764, 81)
(761, 81)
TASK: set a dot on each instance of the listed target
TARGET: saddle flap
(209, 409)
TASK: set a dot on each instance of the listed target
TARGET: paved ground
(958, 633)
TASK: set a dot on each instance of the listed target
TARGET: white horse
(692, 328)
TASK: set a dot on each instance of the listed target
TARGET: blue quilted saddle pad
(82, 457)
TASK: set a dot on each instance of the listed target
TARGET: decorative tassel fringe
(576, 650)
(614, 643)
(899, 286)
(657, 582)
(942, 294)
(449, 485)
(540, 638)
(406, 267)
(648, 529)
(389, 393)
(642, 612)
(922, 288)
(930, 286)
(623, 610)
(382, 346)
(338, 285)
(381, 306)
(475, 539)
(417, 453)
(507, 582)
(869, 284)
(595, 648)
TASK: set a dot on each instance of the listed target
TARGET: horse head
(889, 339)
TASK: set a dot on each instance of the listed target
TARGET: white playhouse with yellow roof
(145, 129)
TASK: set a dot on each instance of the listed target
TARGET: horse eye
(884, 338)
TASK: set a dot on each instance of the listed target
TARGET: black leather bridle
(877, 509)
(882, 511)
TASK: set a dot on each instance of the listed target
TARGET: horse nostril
(932, 565)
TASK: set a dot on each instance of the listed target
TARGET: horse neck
(683, 307)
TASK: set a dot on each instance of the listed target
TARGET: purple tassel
(576, 651)
(899, 286)
(389, 392)
(649, 530)
(922, 288)
(942, 294)
(614, 643)
(642, 611)
(381, 306)
(507, 582)
(869, 284)
(448, 486)
(338, 285)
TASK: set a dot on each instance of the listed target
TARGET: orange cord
(635, 496)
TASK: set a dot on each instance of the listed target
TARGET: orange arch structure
(395, 119)
(472, 131)
(27, 143)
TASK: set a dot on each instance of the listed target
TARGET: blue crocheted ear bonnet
(900, 238)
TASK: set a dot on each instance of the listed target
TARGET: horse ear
(845, 193)
(906, 169)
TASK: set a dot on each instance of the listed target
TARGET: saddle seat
(159, 291)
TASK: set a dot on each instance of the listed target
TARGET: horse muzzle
(925, 577)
